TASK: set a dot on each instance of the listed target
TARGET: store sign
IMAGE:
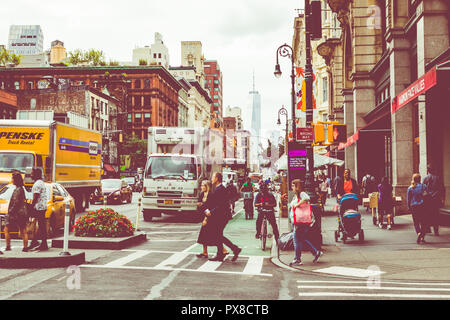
(420, 86)
(297, 161)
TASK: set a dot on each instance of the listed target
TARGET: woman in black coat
(207, 236)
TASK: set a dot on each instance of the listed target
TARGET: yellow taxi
(58, 197)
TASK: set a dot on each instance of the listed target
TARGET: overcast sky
(242, 35)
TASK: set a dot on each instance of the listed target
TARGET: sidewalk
(394, 254)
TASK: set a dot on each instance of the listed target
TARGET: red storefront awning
(418, 87)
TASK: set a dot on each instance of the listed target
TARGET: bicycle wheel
(264, 234)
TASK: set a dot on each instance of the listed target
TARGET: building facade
(8, 105)
(214, 83)
(192, 55)
(147, 95)
(392, 59)
(25, 39)
(199, 101)
(324, 103)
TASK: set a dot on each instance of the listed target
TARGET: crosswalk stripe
(209, 266)
(374, 288)
(131, 257)
(373, 295)
(174, 259)
(254, 265)
(382, 282)
(165, 268)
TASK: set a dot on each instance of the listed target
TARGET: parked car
(58, 197)
(114, 190)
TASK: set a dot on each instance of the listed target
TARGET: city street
(165, 267)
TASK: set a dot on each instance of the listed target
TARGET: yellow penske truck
(66, 154)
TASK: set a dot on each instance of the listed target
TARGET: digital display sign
(297, 161)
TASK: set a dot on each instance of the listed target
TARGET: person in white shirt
(39, 205)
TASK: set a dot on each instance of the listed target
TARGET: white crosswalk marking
(384, 290)
(253, 266)
(209, 266)
(123, 261)
(174, 259)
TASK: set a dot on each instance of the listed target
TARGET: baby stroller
(349, 219)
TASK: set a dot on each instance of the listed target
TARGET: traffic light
(319, 132)
(337, 133)
(316, 20)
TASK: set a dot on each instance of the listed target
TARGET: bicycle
(264, 234)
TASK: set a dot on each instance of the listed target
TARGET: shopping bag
(286, 241)
(303, 214)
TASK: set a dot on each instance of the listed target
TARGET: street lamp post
(283, 111)
(286, 51)
(309, 179)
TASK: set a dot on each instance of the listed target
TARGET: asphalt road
(166, 268)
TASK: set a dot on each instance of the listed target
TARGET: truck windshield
(10, 162)
(171, 168)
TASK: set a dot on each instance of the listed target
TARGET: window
(129, 117)
(154, 55)
(325, 89)
(137, 84)
(147, 118)
(159, 55)
(147, 84)
(138, 117)
(216, 81)
(147, 103)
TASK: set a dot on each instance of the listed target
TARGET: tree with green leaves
(93, 57)
(136, 148)
(6, 57)
(142, 62)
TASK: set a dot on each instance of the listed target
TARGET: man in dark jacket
(220, 213)
(435, 189)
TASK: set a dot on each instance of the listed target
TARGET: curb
(42, 262)
(101, 243)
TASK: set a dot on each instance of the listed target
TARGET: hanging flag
(300, 89)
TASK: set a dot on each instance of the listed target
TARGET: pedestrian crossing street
(383, 290)
(183, 261)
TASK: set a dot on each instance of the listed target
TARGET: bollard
(138, 213)
(104, 202)
(65, 251)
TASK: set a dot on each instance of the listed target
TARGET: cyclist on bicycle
(248, 202)
(265, 203)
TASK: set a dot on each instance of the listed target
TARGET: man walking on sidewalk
(220, 212)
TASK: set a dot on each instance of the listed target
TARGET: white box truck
(179, 159)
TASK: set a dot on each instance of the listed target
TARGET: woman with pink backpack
(300, 213)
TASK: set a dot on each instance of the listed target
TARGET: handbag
(303, 214)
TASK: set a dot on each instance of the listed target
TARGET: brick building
(148, 95)
(8, 105)
(213, 83)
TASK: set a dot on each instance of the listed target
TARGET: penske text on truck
(68, 155)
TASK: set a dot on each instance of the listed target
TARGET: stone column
(432, 40)
(401, 121)
(349, 120)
